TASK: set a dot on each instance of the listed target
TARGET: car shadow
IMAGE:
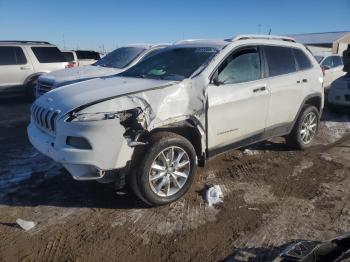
(63, 191)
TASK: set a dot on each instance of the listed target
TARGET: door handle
(259, 89)
(304, 80)
(25, 68)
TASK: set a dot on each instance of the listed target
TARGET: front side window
(319, 58)
(172, 63)
(12, 55)
(328, 62)
(280, 60)
(302, 60)
(242, 66)
(120, 57)
(48, 54)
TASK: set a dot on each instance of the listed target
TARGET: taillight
(70, 65)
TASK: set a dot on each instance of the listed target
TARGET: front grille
(43, 88)
(44, 118)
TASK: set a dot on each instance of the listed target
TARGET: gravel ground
(272, 196)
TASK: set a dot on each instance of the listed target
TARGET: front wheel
(166, 169)
(305, 129)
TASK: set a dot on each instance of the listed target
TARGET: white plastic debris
(26, 225)
(214, 195)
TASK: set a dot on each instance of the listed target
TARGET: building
(335, 42)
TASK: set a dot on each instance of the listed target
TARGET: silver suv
(21, 63)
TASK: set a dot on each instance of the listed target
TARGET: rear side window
(242, 66)
(12, 55)
(302, 59)
(69, 56)
(87, 55)
(337, 61)
(280, 60)
(48, 54)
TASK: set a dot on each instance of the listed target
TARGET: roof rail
(268, 37)
(24, 42)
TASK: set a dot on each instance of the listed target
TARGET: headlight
(86, 117)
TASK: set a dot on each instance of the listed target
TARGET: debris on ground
(214, 195)
(26, 225)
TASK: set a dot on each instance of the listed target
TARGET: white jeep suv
(115, 62)
(155, 122)
(22, 62)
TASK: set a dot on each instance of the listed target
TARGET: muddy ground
(272, 196)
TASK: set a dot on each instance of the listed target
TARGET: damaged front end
(112, 135)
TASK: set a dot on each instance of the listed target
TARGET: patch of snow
(20, 165)
(26, 225)
(305, 164)
(250, 152)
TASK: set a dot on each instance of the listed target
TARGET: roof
(218, 44)
(319, 38)
(25, 42)
(148, 46)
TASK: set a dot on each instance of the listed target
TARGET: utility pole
(64, 42)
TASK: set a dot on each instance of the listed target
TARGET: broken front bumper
(107, 148)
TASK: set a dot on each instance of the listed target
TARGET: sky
(79, 24)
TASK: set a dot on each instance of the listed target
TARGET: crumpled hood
(70, 97)
(78, 73)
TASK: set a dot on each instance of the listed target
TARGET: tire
(167, 183)
(296, 138)
(30, 89)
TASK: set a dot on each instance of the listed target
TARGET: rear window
(120, 57)
(302, 59)
(87, 55)
(12, 55)
(69, 56)
(280, 60)
(48, 54)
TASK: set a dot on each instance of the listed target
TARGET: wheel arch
(190, 130)
(315, 99)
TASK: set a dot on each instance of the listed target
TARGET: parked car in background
(71, 58)
(154, 123)
(332, 66)
(113, 63)
(339, 92)
(22, 62)
(86, 57)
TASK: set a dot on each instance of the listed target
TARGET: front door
(238, 99)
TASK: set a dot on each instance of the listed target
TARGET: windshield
(319, 58)
(172, 63)
(120, 57)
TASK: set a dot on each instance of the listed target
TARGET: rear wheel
(305, 129)
(166, 169)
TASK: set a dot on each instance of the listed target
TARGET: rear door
(285, 86)
(237, 100)
(14, 68)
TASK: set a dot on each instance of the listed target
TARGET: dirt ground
(272, 197)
